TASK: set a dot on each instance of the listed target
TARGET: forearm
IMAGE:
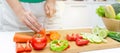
(16, 6)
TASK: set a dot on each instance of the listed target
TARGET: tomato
(54, 35)
(28, 47)
(19, 48)
(39, 42)
(81, 42)
(73, 37)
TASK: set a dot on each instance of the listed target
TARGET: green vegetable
(109, 11)
(101, 32)
(100, 11)
(58, 45)
(93, 38)
(97, 36)
(118, 16)
(114, 35)
(116, 7)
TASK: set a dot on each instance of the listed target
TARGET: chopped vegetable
(81, 42)
(54, 35)
(21, 38)
(28, 47)
(101, 32)
(73, 37)
(97, 36)
(58, 45)
(19, 48)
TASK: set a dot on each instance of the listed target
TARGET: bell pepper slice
(81, 42)
(73, 37)
(58, 45)
(54, 35)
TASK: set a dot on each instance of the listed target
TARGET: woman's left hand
(49, 8)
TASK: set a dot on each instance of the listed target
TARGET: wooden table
(74, 48)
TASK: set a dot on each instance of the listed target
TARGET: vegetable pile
(20, 48)
(98, 35)
(109, 11)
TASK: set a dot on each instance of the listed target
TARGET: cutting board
(73, 47)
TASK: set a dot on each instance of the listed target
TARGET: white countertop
(8, 46)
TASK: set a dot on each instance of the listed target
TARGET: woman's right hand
(25, 16)
(30, 21)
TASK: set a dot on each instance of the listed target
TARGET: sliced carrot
(21, 38)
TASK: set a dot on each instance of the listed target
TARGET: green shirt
(31, 1)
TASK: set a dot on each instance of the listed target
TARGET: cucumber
(96, 39)
(89, 37)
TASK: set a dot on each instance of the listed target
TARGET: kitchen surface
(77, 17)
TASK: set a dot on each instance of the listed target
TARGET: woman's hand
(26, 17)
(49, 7)
(30, 21)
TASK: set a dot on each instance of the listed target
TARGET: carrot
(21, 38)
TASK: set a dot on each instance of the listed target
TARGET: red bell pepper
(19, 48)
(73, 37)
(38, 42)
(81, 42)
(28, 47)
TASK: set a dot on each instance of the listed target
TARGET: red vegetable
(39, 42)
(73, 37)
(81, 42)
(28, 47)
(19, 48)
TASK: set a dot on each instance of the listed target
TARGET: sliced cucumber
(96, 39)
(95, 30)
(89, 37)
(103, 33)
